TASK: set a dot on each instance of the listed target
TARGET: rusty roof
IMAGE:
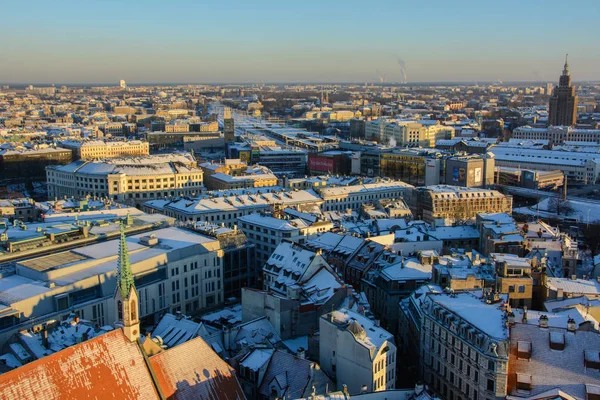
(107, 366)
(193, 370)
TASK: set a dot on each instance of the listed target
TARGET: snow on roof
(469, 306)
(268, 222)
(548, 369)
(574, 286)
(175, 330)
(231, 315)
(407, 269)
(243, 201)
(15, 288)
(194, 371)
(364, 189)
(106, 366)
(294, 344)
(374, 336)
(257, 359)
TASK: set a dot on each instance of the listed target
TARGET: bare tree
(559, 206)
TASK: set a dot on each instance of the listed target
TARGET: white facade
(557, 134)
(174, 270)
(579, 166)
(128, 180)
(356, 352)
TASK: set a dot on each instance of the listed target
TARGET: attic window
(524, 382)
(557, 340)
(524, 350)
(592, 359)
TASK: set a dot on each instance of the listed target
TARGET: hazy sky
(296, 41)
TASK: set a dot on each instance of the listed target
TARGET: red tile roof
(194, 371)
(107, 366)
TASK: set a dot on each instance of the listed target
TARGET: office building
(236, 174)
(227, 207)
(558, 135)
(173, 270)
(228, 125)
(458, 203)
(99, 149)
(342, 198)
(127, 180)
(563, 102)
(21, 164)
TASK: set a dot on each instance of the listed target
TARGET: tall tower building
(122, 84)
(126, 297)
(563, 102)
(228, 125)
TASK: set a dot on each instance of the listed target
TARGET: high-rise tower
(563, 103)
(228, 125)
(126, 297)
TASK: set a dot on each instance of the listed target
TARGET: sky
(231, 41)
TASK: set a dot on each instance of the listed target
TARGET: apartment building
(98, 149)
(514, 277)
(458, 203)
(267, 232)
(342, 198)
(357, 353)
(464, 345)
(227, 207)
(128, 180)
(236, 174)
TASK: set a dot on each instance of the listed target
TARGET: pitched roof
(194, 371)
(291, 376)
(106, 366)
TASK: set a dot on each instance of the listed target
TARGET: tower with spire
(126, 297)
(563, 102)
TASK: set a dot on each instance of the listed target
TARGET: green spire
(124, 275)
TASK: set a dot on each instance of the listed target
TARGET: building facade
(128, 180)
(563, 102)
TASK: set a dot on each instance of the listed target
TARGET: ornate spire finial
(124, 275)
(566, 68)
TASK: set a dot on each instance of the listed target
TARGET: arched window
(133, 310)
(120, 310)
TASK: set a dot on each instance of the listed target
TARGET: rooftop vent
(150, 240)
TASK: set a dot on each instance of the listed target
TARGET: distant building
(21, 164)
(455, 202)
(228, 125)
(563, 102)
(98, 149)
(129, 179)
(122, 84)
(236, 174)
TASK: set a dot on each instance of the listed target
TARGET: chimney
(511, 318)
(524, 315)
(363, 389)
(45, 337)
(544, 321)
(345, 390)
(571, 325)
(301, 353)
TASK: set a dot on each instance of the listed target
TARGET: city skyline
(274, 43)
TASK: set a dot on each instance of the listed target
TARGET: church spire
(124, 275)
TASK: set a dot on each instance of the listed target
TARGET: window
(491, 365)
(120, 310)
(511, 289)
(491, 385)
(522, 289)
